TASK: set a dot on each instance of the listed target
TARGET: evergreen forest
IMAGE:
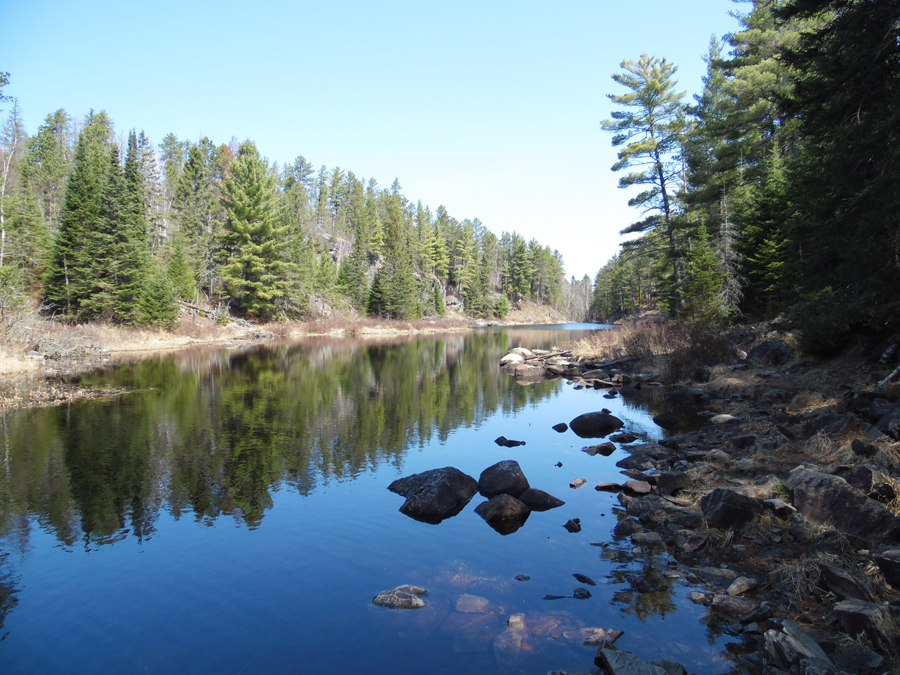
(775, 192)
(96, 225)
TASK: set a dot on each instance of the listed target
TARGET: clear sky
(490, 108)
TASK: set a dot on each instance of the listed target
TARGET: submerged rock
(401, 597)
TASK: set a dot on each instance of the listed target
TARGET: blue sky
(490, 108)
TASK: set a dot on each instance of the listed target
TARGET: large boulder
(504, 477)
(432, 496)
(726, 508)
(830, 501)
(595, 424)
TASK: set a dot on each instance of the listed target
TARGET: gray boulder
(725, 508)
(788, 644)
(615, 662)
(827, 500)
(504, 477)
(859, 660)
(595, 424)
(671, 482)
(432, 496)
(888, 561)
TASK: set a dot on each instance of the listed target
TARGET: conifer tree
(650, 128)
(180, 272)
(252, 268)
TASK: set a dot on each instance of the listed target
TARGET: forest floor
(42, 361)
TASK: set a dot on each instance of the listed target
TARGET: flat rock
(672, 482)
(646, 539)
(637, 487)
(401, 597)
(734, 605)
(623, 438)
(577, 483)
(608, 487)
(715, 575)
(475, 604)
(689, 541)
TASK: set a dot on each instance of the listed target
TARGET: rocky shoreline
(781, 509)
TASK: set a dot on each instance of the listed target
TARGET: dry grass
(669, 348)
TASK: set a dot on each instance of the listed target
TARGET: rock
(889, 424)
(605, 449)
(859, 660)
(626, 527)
(734, 605)
(715, 575)
(741, 585)
(780, 508)
(581, 594)
(560, 428)
(608, 487)
(771, 353)
(699, 598)
(888, 561)
(432, 496)
(702, 375)
(504, 477)
(513, 646)
(593, 636)
(646, 539)
(512, 358)
(724, 508)
(475, 604)
(840, 425)
(573, 525)
(863, 448)
(743, 442)
(401, 597)
(721, 419)
(616, 662)
(595, 424)
(672, 482)
(503, 441)
(689, 541)
(596, 374)
(538, 500)
(788, 644)
(637, 487)
(667, 420)
(522, 577)
(881, 623)
(843, 584)
(577, 483)
(623, 438)
(824, 499)
(584, 579)
(525, 371)
(502, 507)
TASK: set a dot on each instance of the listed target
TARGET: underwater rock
(401, 597)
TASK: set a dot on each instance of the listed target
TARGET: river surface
(231, 515)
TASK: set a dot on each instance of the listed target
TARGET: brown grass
(672, 349)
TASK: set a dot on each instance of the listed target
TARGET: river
(230, 514)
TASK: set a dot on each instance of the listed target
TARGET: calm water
(231, 515)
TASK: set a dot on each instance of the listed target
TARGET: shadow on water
(245, 491)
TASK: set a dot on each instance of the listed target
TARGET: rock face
(824, 499)
(401, 597)
(595, 424)
(504, 477)
(432, 496)
(726, 508)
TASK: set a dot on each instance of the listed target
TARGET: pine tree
(158, 306)
(651, 129)
(180, 272)
(252, 268)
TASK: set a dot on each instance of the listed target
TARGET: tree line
(113, 228)
(776, 190)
